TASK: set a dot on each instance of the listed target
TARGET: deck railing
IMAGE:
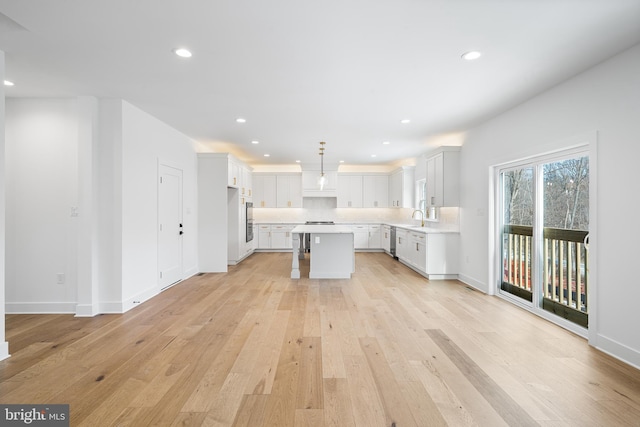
(565, 269)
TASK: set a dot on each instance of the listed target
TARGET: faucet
(421, 216)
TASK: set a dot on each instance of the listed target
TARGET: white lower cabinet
(417, 251)
(275, 236)
(281, 236)
(360, 236)
(375, 239)
(366, 236)
(385, 237)
(402, 244)
(434, 255)
(264, 236)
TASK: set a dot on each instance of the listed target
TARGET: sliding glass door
(544, 229)
(518, 214)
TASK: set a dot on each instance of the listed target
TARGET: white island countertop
(322, 229)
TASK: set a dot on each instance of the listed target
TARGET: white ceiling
(342, 71)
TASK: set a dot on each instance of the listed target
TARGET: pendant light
(322, 179)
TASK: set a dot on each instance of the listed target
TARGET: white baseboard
(40, 308)
(87, 310)
(619, 351)
(190, 272)
(476, 284)
(139, 298)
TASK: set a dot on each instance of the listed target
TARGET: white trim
(112, 307)
(87, 310)
(139, 298)
(619, 351)
(40, 307)
(472, 282)
(593, 242)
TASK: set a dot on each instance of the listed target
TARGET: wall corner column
(87, 262)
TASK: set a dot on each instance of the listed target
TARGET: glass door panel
(565, 190)
(518, 208)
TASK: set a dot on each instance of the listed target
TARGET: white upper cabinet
(233, 173)
(246, 182)
(375, 191)
(264, 191)
(349, 191)
(443, 177)
(401, 184)
(288, 191)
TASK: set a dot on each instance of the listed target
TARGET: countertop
(322, 229)
(409, 227)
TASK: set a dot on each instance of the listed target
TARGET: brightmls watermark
(34, 415)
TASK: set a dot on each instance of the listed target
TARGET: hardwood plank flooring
(252, 347)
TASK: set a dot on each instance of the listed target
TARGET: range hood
(310, 175)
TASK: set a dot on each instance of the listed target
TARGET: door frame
(585, 144)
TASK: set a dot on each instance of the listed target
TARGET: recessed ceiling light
(405, 121)
(182, 52)
(267, 155)
(470, 56)
(341, 161)
(8, 83)
(373, 155)
(241, 120)
(297, 161)
(255, 142)
(385, 143)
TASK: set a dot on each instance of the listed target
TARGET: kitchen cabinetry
(416, 254)
(245, 182)
(281, 236)
(443, 178)
(264, 191)
(233, 173)
(264, 236)
(349, 191)
(375, 240)
(401, 184)
(386, 238)
(366, 236)
(288, 191)
(275, 236)
(360, 236)
(375, 191)
(434, 255)
(402, 244)
(254, 242)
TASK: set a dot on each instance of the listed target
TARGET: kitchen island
(332, 253)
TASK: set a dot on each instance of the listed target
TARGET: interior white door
(170, 226)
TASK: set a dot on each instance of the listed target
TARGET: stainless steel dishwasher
(392, 238)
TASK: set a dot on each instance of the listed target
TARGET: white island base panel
(332, 253)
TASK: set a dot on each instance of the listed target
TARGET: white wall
(147, 142)
(113, 178)
(4, 346)
(605, 99)
(41, 172)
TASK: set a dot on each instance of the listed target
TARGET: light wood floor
(253, 348)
